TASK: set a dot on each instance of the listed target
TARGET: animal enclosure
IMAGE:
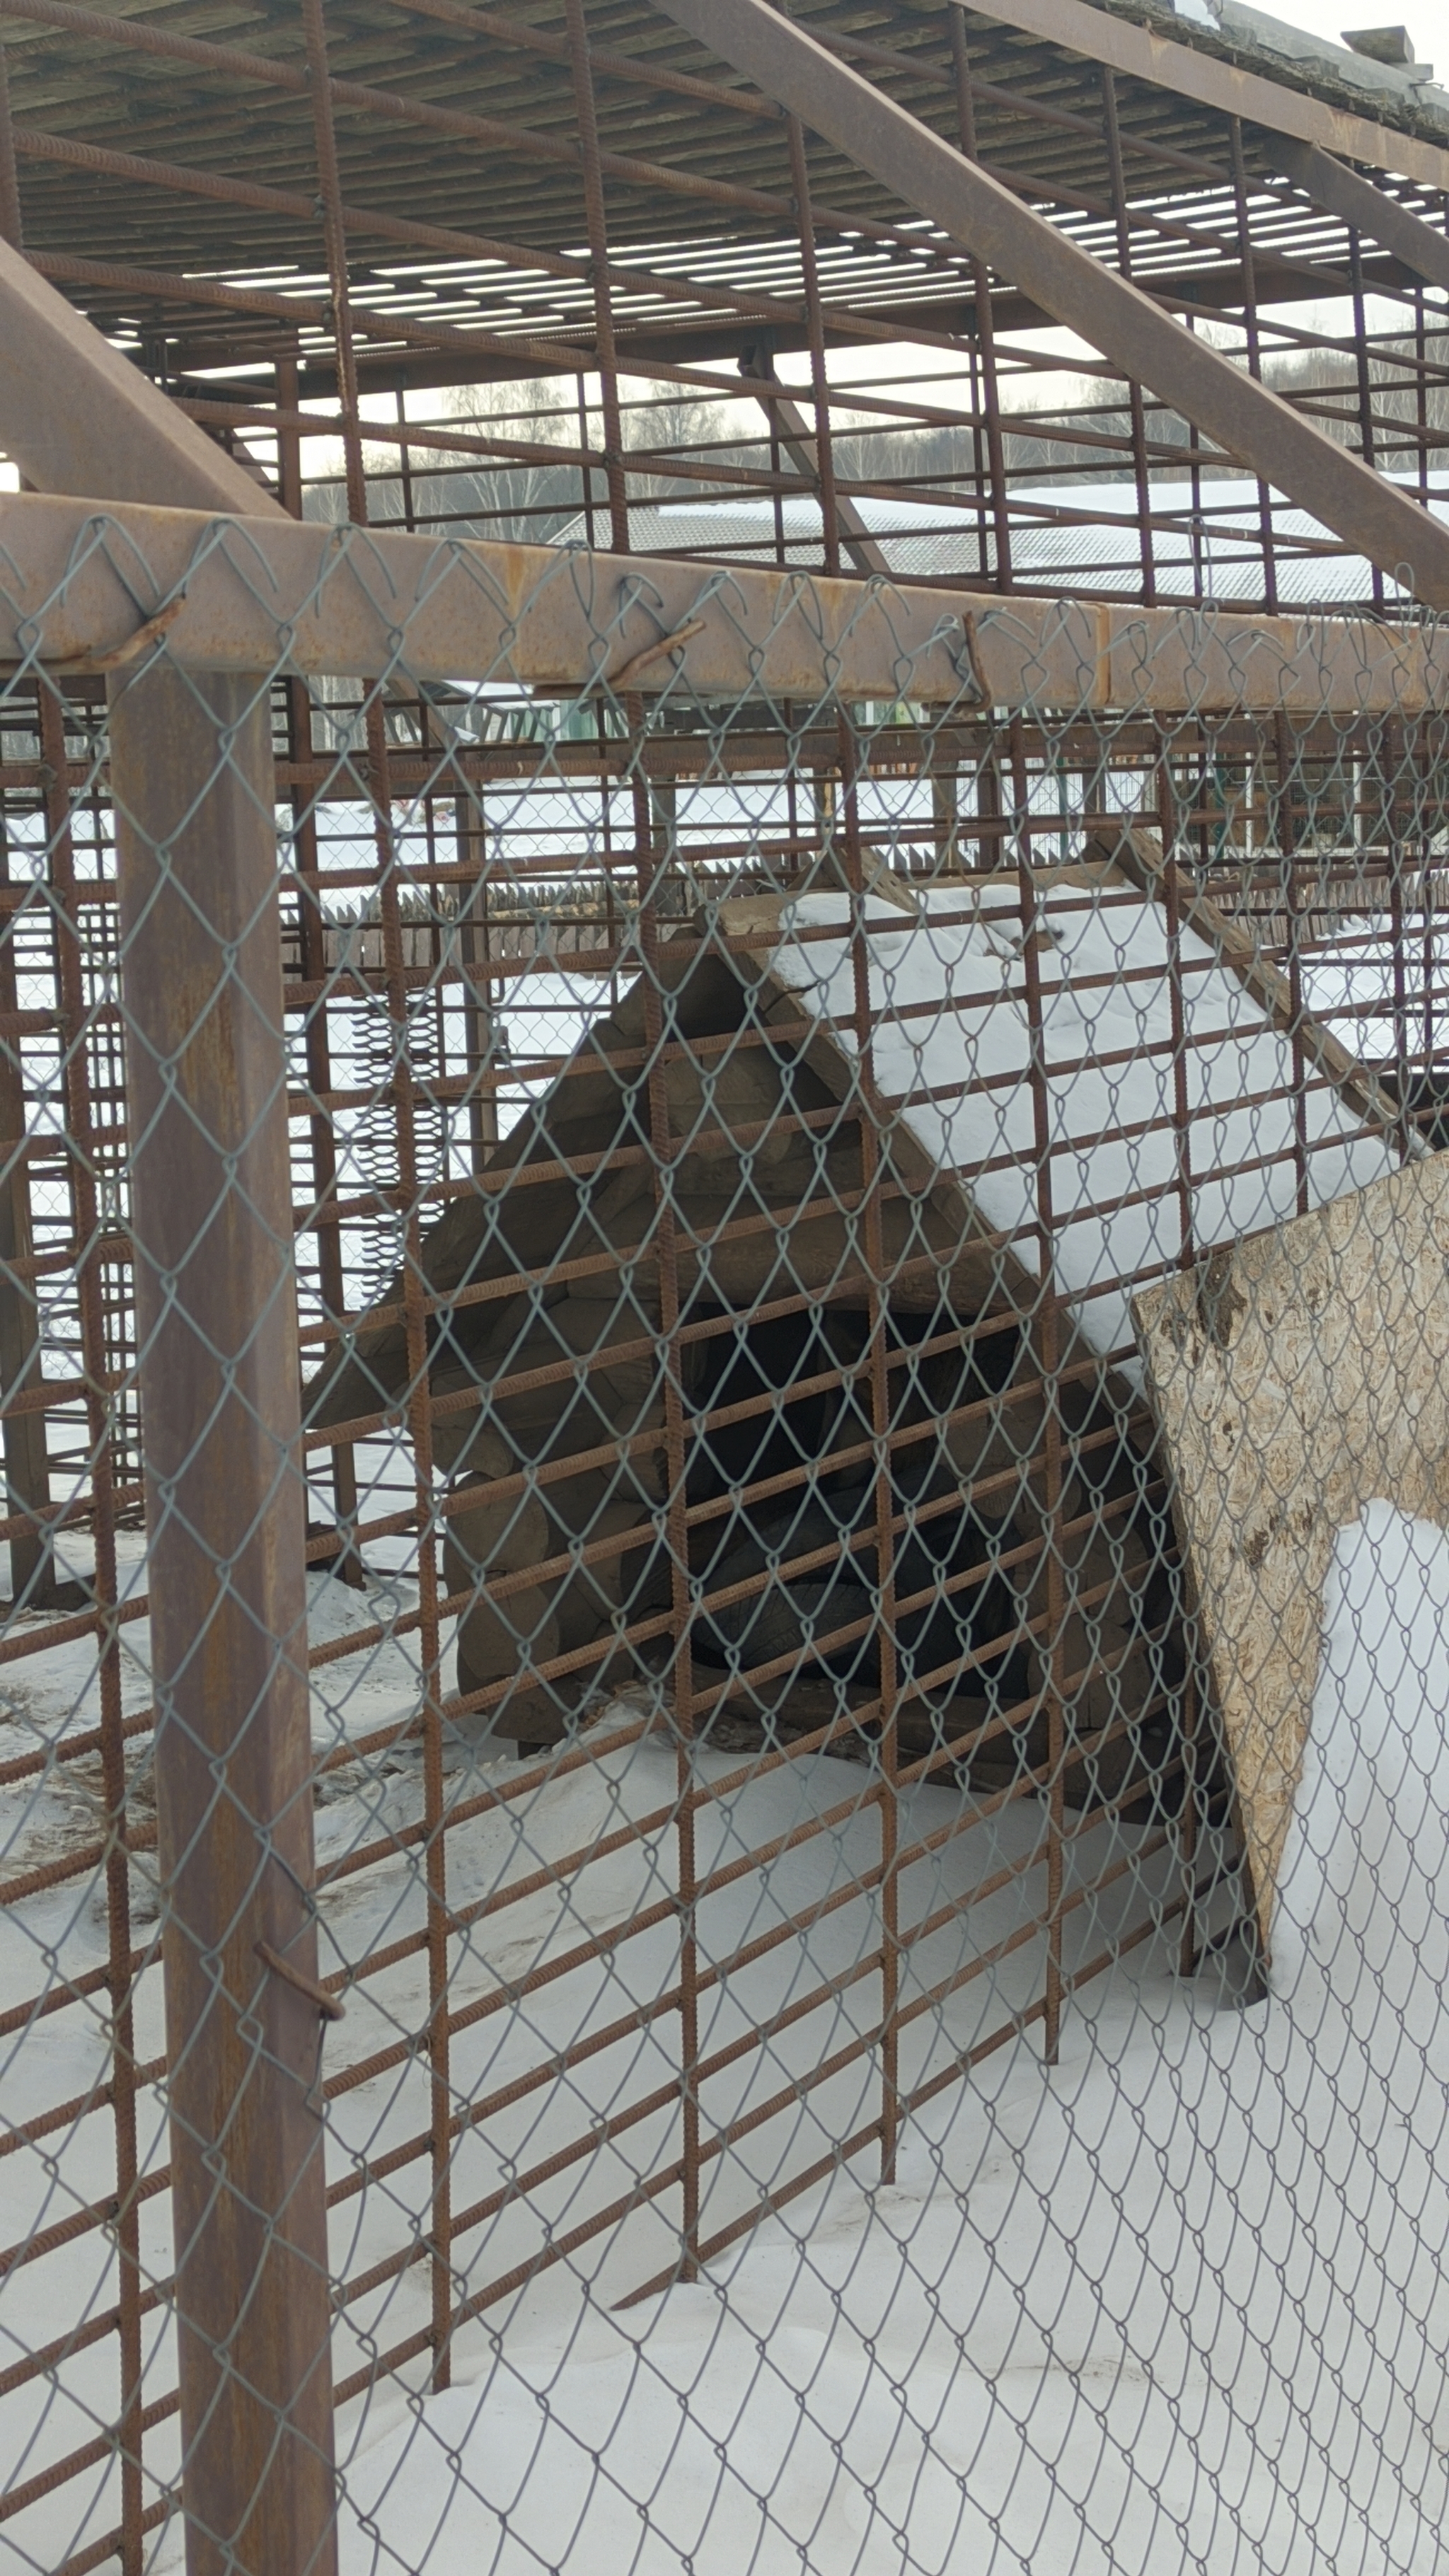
(751, 1682)
(715, 726)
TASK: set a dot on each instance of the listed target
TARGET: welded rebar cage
(720, 987)
(602, 1304)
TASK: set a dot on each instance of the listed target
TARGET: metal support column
(217, 1333)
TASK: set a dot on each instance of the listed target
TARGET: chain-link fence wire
(669, 1909)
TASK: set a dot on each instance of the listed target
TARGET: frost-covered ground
(1179, 2304)
(819, 1819)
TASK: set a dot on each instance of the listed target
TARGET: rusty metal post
(481, 1047)
(217, 1336)
(27, 1462)
(26, 1446)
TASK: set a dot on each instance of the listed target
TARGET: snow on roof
(1301, 58)
(1093, 548)
(950, 1015)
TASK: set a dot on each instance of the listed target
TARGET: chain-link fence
(672, 1390)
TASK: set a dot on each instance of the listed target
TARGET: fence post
(27, 1462)
(211, 1216)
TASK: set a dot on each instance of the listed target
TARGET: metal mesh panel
(634, 1861)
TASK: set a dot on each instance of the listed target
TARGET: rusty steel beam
(1250, 423)
(798, 441)
(1174, 63)
(1341, 191)
(326, 599)
(220, 1380)
(75, 416)
(226, 1523)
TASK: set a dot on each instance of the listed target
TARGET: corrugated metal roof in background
(1090, 542)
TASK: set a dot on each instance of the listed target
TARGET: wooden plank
(1297, 1377)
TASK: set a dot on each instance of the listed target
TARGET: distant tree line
(1084, 435)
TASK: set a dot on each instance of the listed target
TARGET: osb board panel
(1295, 1378)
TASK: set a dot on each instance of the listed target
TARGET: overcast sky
(1427, 22)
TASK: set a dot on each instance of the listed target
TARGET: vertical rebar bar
(586, 472)
(1253, 344)
(402, 1090)
(480, 1029)
(873, 1261)
(985, 334)
(1048, 1340)
(312, 941)
(27, 1460)
(26, 1442)
(1394, 757)
(666, 1248)
(10, 221)
(1362, 375)
(1284, 832)
(80, 1137)
(1421, 400)
(596, 224)
(815, 326)
(1168, 825)
(1136, 414)
(334, 236)
(405, 461)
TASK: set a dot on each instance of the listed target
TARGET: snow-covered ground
(59, 1934)
(1176, 2303)
(1180, 2303)
(821, 1825)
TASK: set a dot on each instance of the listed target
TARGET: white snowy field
(1178, 2304)
(820, 1987)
